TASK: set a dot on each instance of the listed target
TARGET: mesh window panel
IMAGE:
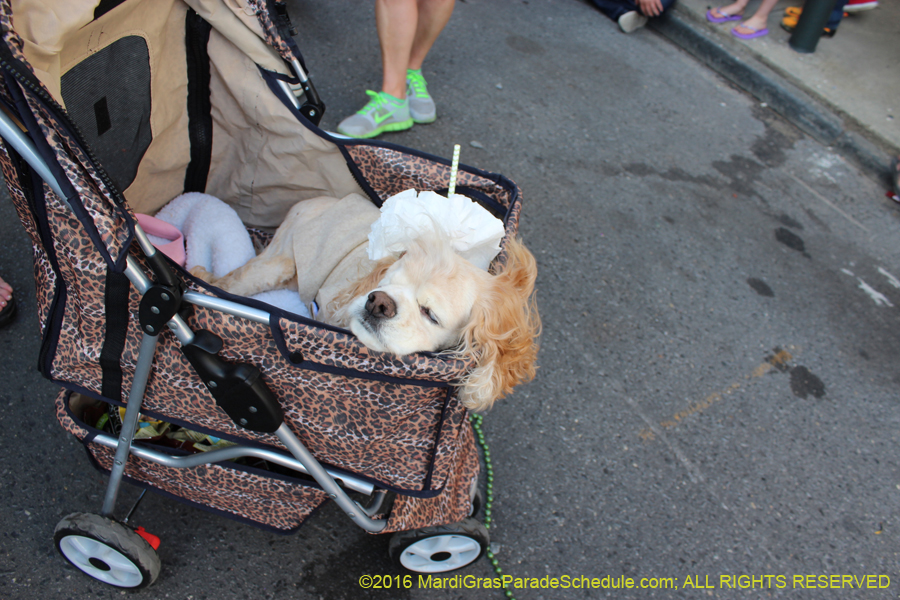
(108, 97)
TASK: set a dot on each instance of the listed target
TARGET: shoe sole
(401, 126)
(860, 7)
(631, 21)
(425, 120)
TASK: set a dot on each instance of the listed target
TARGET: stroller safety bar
(231, 453)
(306, 463)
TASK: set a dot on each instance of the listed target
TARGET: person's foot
(718, 15)
(382, 113)
(7, 303)
(749, 31)
(632, 20)
(421, 106)
(860, 5)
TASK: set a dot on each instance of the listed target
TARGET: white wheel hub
(440, 553)
(101, 561)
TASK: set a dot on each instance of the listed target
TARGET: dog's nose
(381, 306)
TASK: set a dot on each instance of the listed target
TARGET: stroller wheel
(107, 551)
(477, 502)
(440, 548)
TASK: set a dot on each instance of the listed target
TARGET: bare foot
(721, 13)
(6, 292)
(735, 8)
(753, 24)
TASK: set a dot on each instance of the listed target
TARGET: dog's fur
(429, 299)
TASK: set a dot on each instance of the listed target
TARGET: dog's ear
(365, 284)
(502, 335)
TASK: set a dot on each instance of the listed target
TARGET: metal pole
(810, 25)
(130, 422)
(340, 497)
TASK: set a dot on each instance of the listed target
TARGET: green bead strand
(476, 421)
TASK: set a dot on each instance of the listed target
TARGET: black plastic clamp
(238, 388)
(158, 305)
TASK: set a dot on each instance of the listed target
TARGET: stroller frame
(436, 502)
(303, 460)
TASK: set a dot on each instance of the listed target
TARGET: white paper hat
(473, 232)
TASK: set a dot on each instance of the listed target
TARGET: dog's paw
(201, 273)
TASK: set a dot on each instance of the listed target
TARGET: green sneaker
(421, 106)
(382, 113)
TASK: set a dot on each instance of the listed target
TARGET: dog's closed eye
(429, 314)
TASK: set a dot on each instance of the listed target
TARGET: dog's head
(431, 299)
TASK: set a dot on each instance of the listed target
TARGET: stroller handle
(22, 144)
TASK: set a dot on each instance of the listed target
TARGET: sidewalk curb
(739, 66)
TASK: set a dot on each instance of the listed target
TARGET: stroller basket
(212, 96)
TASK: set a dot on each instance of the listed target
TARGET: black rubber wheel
(441, 548)
(477, 502)
(107, 551)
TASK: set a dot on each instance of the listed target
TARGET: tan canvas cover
(262, 174)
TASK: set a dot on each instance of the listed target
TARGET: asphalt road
(717, 394)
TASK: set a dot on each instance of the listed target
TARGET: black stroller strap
(105, 6)
(199, 107)
(117, 316)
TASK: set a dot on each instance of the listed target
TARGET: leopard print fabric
(44, 276)
(246, 494)
(390, 171)
(384, 430)
(449, 507)
(103, 215)
(273, 38)
(9, 36)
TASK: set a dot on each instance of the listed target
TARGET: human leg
(615, 8)
(433, 16)
(388, 110)
(728, 12)
(756, 24)
(397, 23)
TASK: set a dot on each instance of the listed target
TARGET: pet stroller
(115, 107)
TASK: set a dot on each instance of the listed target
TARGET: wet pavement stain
(791, 240)
(787, 221)
(804, 383)
(761, 287)
(524, 45)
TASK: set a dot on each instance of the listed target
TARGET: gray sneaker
(381, 114)
(421, 106)
(632, 20)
